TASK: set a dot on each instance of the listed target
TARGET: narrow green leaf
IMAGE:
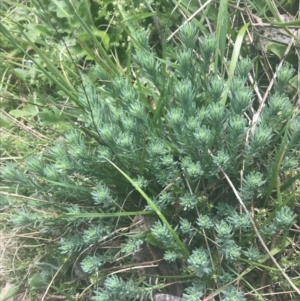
(153, 241)
(100, 48)
(129, 29)
(136, 17)
(291, 181)
(66, 185)
(90, 52)
(10, 293)
(221, 32)
(188, 7)
(234, 59)
(60, 80)
(286, 24)
(273, 8)
(278, 160)
(184, 250)
(105, 215)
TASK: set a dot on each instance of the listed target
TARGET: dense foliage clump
(163, 142)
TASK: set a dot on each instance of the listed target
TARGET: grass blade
(234, 59)
(104, 215)
(100, 48)
(184, 250)
(222, 24)
(10, 293)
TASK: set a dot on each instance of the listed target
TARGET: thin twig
(52, 280)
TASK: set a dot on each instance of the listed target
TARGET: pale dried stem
(262, 104)
(33, 133)
(189, 19)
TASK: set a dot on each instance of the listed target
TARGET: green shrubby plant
(168, 131)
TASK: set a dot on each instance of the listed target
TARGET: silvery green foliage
(224, 231)
(194, 292)
(232, 294)
(253, 254)
(284, 74)
(252, 185)
(167, 129)
(91, 264)
(188, 36)
(231, 250)
(204, 222)
(95, 232)
(239, 221)
(294, 135)
(115, 287)
(171, 256)
(71, 244)
(284, 218)
(188, 201)
(243, 68)
(132, 246)
(282, 222)
(162, 235)
(186, 227)
(102, 195)
(199, 262)
(279, 109)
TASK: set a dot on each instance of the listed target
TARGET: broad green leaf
(48, 117)
(28, 110)
(35, 31)
(279, 50)
(62, 9)
(104, 37)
